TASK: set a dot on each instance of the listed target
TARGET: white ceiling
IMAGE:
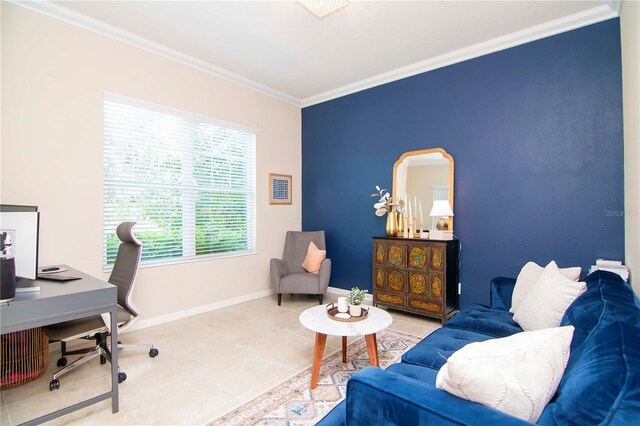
(279, 48)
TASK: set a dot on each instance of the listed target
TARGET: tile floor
(208, 365)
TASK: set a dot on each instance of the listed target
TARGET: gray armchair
(288, 275)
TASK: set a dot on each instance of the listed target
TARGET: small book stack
(614, 266)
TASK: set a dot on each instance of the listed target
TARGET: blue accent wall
(536, 135)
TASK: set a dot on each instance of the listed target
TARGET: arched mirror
(424, 177)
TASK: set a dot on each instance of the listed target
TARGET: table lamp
(442, 208)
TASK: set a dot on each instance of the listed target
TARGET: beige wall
(630, 35)
(53, 79)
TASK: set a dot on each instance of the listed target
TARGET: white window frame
(189, 246)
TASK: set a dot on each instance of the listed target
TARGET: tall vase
(401, 225)
(392, 224)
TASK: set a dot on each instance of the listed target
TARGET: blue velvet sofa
(601, 384)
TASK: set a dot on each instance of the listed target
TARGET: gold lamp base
(442, 224)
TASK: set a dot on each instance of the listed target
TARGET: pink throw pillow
(314, 258)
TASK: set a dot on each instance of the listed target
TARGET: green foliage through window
(187, 181)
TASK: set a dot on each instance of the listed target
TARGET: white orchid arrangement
(383, 206)
(400, 205)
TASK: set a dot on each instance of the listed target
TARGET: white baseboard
(173, 316)
(343, 292)
(162, 319)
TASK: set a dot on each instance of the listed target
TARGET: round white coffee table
(316, 319)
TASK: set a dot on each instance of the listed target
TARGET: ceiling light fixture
(322, 8)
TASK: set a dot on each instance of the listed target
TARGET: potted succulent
(355, 298)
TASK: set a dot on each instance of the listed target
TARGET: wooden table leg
(344, 349)
(318, 350)
(372, 349)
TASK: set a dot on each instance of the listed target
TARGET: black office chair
(122, 276)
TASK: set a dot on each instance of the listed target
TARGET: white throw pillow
(517, 375)
(529, 274)
(549, 297)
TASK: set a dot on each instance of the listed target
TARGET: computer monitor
(24, 221)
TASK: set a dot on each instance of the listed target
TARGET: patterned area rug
(293, 403)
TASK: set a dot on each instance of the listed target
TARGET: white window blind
(187, 180)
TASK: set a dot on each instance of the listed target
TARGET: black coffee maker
(7, 267)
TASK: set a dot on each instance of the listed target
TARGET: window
(187, 180)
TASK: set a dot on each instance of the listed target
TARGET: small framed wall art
(279, 189)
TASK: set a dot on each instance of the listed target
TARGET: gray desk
(58, 302)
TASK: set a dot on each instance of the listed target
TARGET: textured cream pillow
(517, 375)
(549, 297)
(529, 274)
(314, 258)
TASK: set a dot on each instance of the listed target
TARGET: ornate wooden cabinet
(414, 275)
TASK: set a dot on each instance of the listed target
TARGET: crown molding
(557, 26)
(69, 16)
(598, 14)
(615, 6)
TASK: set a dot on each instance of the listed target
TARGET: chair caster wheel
(122, 377)
(153, 352)
(62, 362)
(54, 384)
